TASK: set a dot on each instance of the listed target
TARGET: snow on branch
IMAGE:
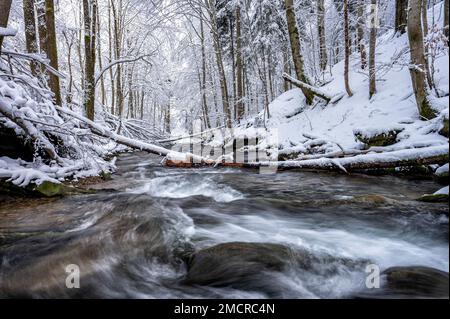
(36, 58)
(119, 61)
(7, 32)
(317, 92)
(401, 158)
(142, 146)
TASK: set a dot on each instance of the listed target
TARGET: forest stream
(156, 232)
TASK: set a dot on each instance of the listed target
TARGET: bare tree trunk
(30, 31)
(401, 16)
(42, 27)
(418, 63)
(361, 45)
(79, 44)
(142, 104)
(270, 77)
(69, 43)
(373, 46)
(321, 30)
(5, 8)
(167, 118)
(425, 35)
(222, 77)
(239, 68)
(233, 69)
(52, 49)
(99, 54)
(347, 50)
(130, 93)
(90, 23)
(286, 70)
(111, 73)
(296, 48)
(446, 20)
(203, 81)
(117, 54)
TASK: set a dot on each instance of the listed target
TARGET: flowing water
(135, 237)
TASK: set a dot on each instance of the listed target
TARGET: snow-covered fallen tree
(394, 159)
(58, 143)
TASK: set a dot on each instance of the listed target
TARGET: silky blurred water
(130, 240)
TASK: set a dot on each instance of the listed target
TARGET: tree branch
(119, 61)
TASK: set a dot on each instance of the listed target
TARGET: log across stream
(159, 232)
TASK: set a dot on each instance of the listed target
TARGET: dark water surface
(134, 238)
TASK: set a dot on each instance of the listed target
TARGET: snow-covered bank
(341, 127)
(60, 148)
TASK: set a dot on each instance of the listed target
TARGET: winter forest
(237, 149)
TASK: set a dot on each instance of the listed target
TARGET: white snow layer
(443, 191)
(393, 107)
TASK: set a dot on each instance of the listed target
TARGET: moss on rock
(383, 139)
(436, 198)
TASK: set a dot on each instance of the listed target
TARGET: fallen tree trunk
(403, 158)
(176, 139)
(172, 156)
(317, 92)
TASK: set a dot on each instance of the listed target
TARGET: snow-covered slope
(393, 107)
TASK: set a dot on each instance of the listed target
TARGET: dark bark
(30, 31)
(89, 8)
(347, 49)
(446, 20)
(401, 16)
(203, 80)
(52, 48)
(5, 7)
(297, 57)
(239, 67)
(219, 61)
(361, 42)
(418, 63)
(323, 57)
(373, 46)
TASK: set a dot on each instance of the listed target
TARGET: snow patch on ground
(443, 191)
(392, 108)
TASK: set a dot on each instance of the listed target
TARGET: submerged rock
(232, 262)
(441, 175)
(421, 282)
(440, 196)
(45, 189)
(259, 267)
(435, 198)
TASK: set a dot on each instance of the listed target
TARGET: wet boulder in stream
(423, 282)
(258, 266)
